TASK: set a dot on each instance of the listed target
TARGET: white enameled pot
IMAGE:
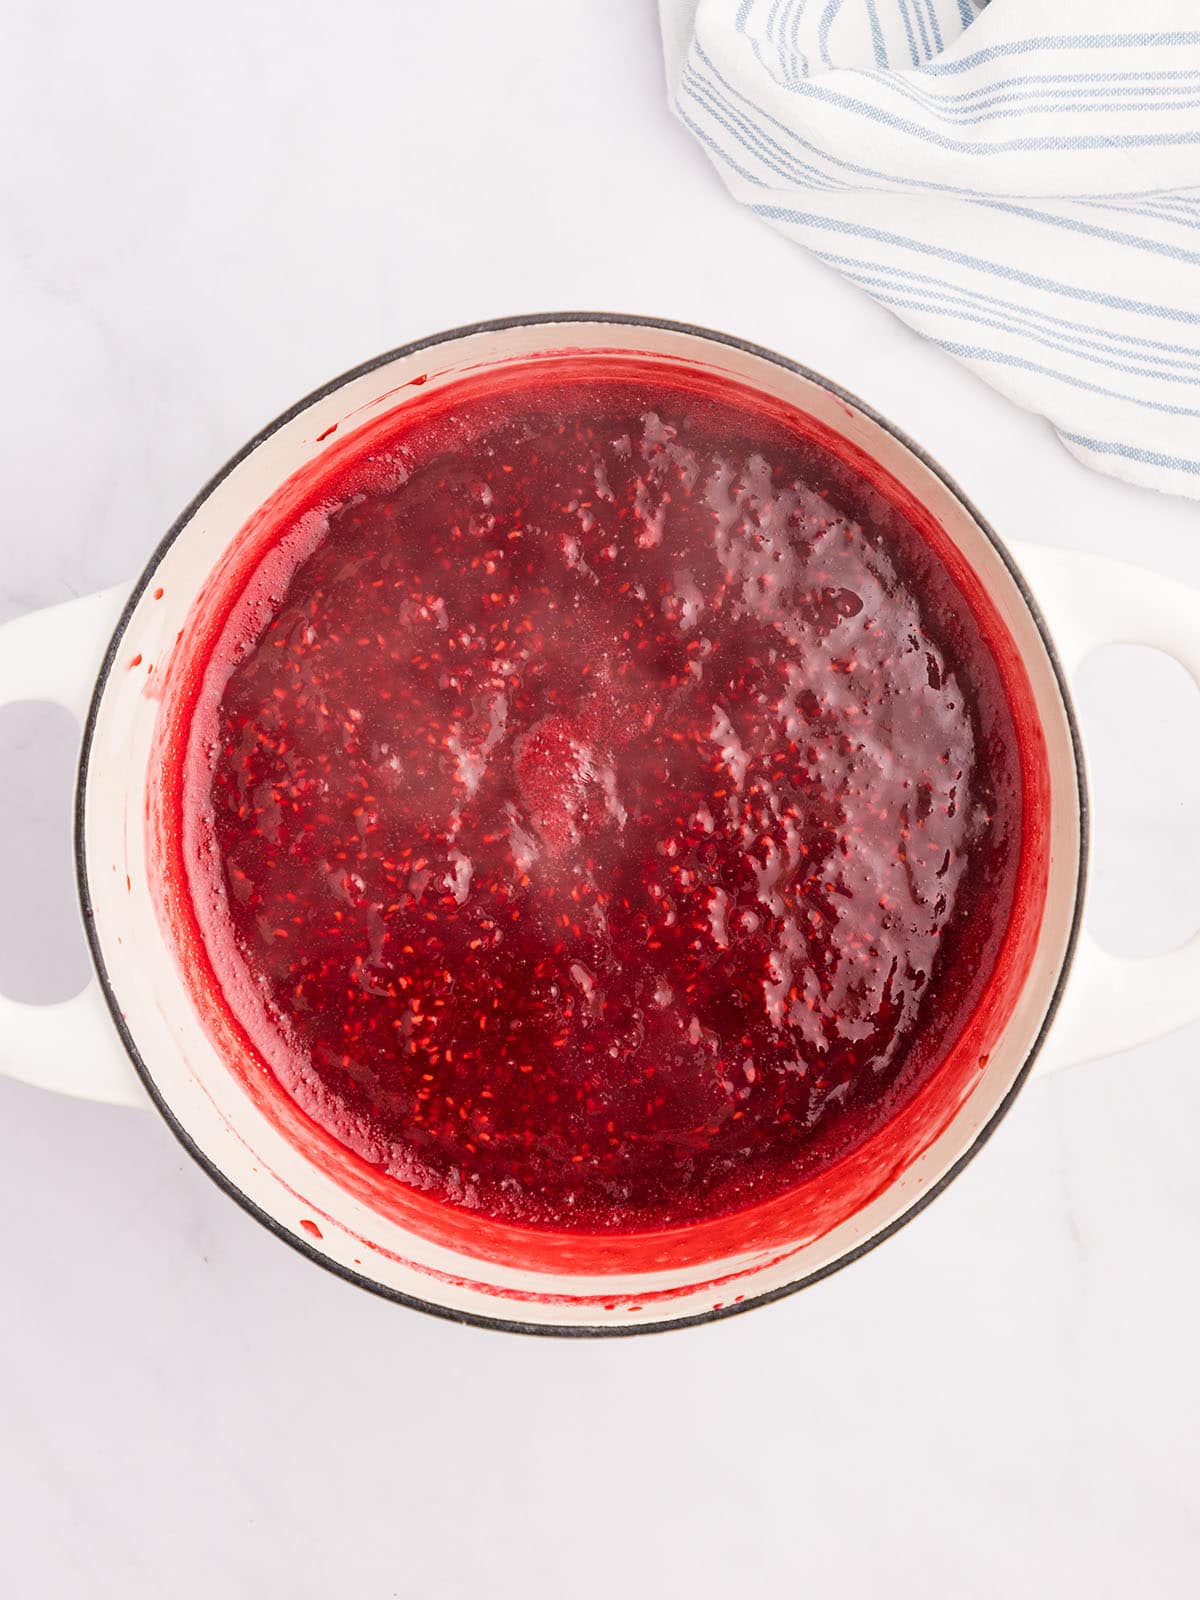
(135, 1037)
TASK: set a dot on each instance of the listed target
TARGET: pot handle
(1114, 1002)
(71, 1046)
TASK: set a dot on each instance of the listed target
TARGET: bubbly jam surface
(601, 809)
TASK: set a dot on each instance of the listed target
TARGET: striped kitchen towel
(1020, 183)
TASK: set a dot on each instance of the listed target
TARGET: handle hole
(1140, 712)
(43, 957)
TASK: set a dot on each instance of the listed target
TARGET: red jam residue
(602, 810)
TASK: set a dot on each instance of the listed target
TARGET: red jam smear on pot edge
(600, 807)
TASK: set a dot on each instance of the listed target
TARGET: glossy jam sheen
(602, 810)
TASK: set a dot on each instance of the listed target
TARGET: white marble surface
(205, 212)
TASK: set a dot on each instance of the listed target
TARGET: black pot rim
(220, 1178)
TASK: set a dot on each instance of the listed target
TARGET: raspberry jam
(600, 807)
